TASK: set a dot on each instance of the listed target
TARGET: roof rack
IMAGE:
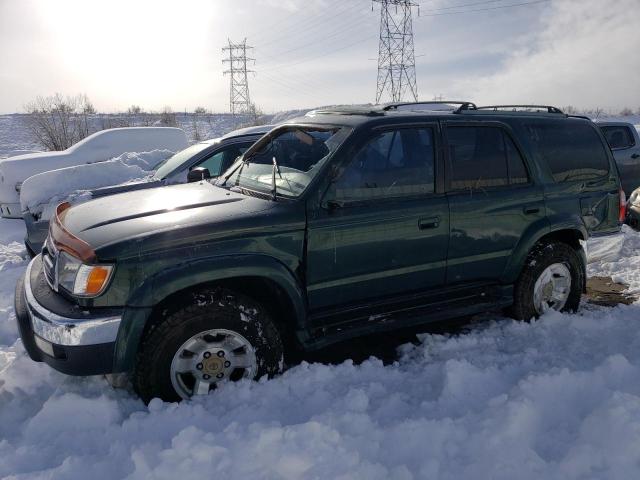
(464, 105)
(514, 108)
(346, 110)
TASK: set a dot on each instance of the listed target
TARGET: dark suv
(335, 225)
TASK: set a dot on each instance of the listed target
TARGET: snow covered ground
(558, 398)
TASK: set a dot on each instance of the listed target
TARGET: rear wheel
(221, 336)
(552, 279)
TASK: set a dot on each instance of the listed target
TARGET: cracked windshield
(293, 156)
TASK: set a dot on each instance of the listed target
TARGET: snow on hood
(41, 193)
(554, 399)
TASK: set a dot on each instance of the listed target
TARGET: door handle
(635, 155)
(530, 209)
(425, 223)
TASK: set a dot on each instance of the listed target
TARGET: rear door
(384, 227)
(583, 182)
(626, 151)
(492, 199)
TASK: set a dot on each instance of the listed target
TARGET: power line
(308, 24)
(461, 5)
(486, 9)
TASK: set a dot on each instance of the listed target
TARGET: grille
(49, 257)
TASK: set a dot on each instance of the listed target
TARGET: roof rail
(463, 105)
(346, 110)
(514, 108)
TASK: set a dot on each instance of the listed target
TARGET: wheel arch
(263, 278)
(570, 235)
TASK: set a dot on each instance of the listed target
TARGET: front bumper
(10, 210)
(71, 340)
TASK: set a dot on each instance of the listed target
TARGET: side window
(573, 151)
(482, 157)
(618, 136)
(515, 162)
(221, 160)
(396, 163)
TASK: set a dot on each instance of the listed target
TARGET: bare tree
(626, 112)
(57, 122)
(196, 133)
(134, 110)
(168, 117)
(200, 111)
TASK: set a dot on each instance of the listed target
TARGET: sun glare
(140, 49)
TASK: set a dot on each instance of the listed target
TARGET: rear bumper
(10, 210)
(82, 344)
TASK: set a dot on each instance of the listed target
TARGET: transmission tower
(239, 101)
(396, 62)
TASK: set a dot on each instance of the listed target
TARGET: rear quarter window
(573, 150)
(618, 136)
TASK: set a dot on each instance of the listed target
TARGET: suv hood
(135, 214)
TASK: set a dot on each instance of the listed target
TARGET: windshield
(166, 167)
(299, 153)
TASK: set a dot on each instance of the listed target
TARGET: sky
(157, 53)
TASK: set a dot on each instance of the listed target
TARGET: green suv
(338, 224)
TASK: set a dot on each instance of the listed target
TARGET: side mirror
(197, 174)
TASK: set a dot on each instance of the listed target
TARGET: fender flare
(189, 274)
(532, 236)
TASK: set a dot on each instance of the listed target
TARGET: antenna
(396, 60)
(239, 101)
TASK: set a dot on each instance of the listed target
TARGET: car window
(573, 151)
(288, 158)
(177, 161)
(483, 157)
(221, 160)
(395, 163)
(618, 136)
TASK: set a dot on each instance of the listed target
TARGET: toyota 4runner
(341, 223)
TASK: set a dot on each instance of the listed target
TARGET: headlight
(80, 279)
(633, 199)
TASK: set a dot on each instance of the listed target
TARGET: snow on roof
(98, 147)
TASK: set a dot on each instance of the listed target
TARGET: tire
(542, 257)
(214, 320)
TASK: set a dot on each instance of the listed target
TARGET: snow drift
(98, 147)
(41, 193)
(558, 398)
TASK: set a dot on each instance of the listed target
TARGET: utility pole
(396, 61)
(239, 101)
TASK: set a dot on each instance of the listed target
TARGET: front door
(384, 227)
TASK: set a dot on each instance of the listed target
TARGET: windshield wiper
(240, 166)
(276, 168)
(274, 189)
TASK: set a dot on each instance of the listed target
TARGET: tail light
(622, 215)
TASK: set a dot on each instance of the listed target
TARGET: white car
(98, 147)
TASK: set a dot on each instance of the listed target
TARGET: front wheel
(221, 336)
(552, 279)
